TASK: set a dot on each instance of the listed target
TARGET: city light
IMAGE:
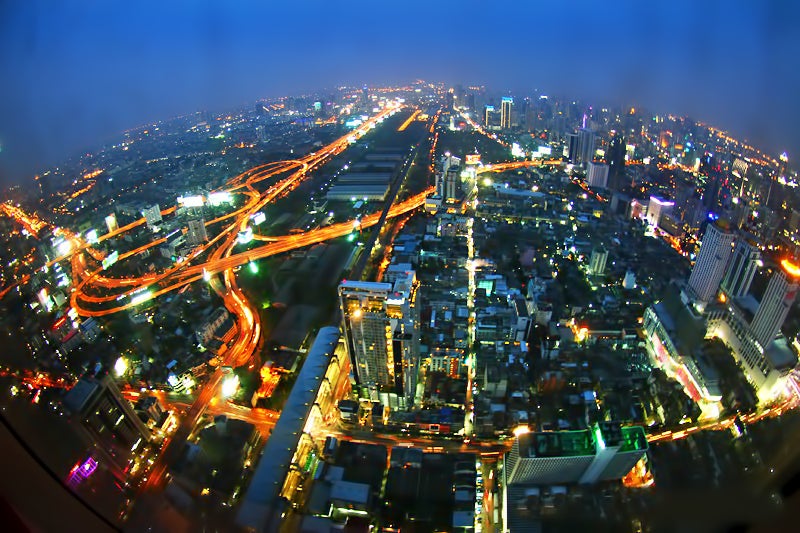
(791, 268)
(121, 366)
(230, 385)
(253, 267)
(521, 430)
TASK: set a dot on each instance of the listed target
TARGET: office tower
(741, 268)
(365, 95)
(615, 156)
(597, 261)
(111, 223)
(152, 215)
(775, 304)
(581, 146)
(586, 144)
(381, 333)
(196, 232)
(656, 208)
(488, 116)
(711, 261)
(597, 175)
(108, 419)
(506, 105)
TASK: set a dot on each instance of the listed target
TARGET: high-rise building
(152, 215)
(381, 333)
(488, 116)
(741, 268)
(715, 251)
(710, 168)
(615, 155)
(582, 146)
(775, 304)
(597, 175)
(597, 261)
(451, 189)
(109, 419)
(506, 105)
(196, 232)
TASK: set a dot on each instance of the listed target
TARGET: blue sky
(74, 74)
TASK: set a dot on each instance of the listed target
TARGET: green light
(253, 267)
(351, 237)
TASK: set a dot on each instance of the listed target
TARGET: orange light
(791, 268)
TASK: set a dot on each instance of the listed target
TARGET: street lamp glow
(206, 275)
(253, 267)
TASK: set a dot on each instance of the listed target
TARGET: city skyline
(82, 74)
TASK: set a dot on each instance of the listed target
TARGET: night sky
(75, 74)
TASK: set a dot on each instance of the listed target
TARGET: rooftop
(556, 444)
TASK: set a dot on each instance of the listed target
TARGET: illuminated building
(774, 306)
(711, 261)
(108, 418)
(381, 333)
(196, 232)
(111, 223)
(752, 330)
(597, 175)
(656, 208)
(152, 215)
(506, 105)
(488, 111)
(289, 454)
(597, 261)
(741, 268)
(606, 452)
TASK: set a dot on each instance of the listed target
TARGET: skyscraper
(380, 330)
(488, 116)
(506, 105)
(741, 268)
(713, 173)
(711, 261)
(581, 146)
(615, 155)
(775, 304)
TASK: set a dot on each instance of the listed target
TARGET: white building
(715, 251)
(656, 208)
(597, 175)
(152, 215)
